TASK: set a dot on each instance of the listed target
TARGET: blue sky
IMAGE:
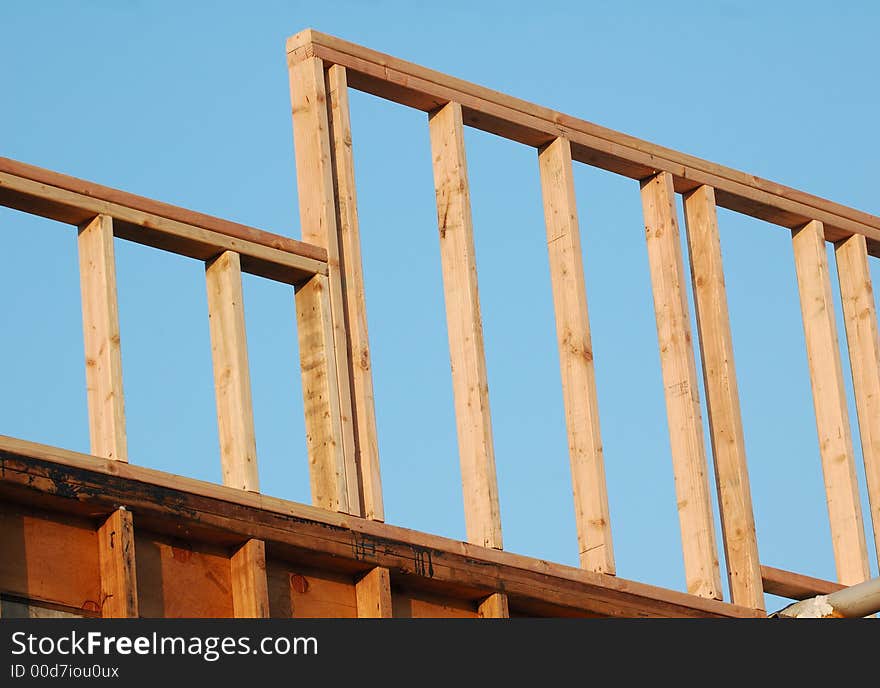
(189, 103)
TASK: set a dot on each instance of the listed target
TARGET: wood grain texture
(323, 419)
(494, 607)
(425, 89)
(722, 399)
(333, 540)
(681, 387)
(317, 207)
(100, 314)
(860, 320)
(795, 586)
(465, 328)
(354, 302)
(232, 379)
(576, 358)
(829, 401)
(191, 235)
(250, 592)
(116, 555)
(373, 591)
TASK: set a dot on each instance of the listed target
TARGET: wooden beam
(67, 481)
(860, 320)
(155, 224)
(725, 419)
(425, 89)
(829, 401)
(317, 208)
(494, 607)
(327, 465)
(373, 591)
(795, 586)
(232, 380)
(680, 385)
(116, 556)
(351, 273)
(100, 312)
(250, 592)
(576, 358)
(465, 327)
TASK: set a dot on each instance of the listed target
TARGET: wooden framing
(354, 299)
(220, 550)
(860, 320)
(144, 221)
(116, 554)
(222, 516)
(317, 208)
(101, 340)
(829, 400)
(725, 420)
(494, 607)
(328, 470)
(465, 327)
(680, 387)
(250, 591)
(232, 380)
(373, 592)
(518, 120)
(576, 358)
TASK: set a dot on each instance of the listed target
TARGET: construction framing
(92, 535)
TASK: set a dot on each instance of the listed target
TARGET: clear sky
(189, 103)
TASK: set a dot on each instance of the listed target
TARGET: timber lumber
(795, 586)
(101, 341)
(79, 483)
(116, 557)
(830, 405)
(151, 223)
(518, 120)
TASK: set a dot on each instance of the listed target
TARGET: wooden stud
(680, 385)
(374, 594)
(232, 382)
(217, 514)
(327, 467)
(119, 598)
(576, 358)
(725, 420)
(517, 120)
(354, 303)
(464, 324)
(100, 313)
(250, 591)
(494, 607)
(860, 320)
(829, 400)
(317, 208)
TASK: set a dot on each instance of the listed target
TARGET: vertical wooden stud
(317, 207)
(116, 559)
(373, 592)
(464, 324)
(829, 401)
(327, 467)
(232, 384)
(576, 358)
(860, 320)
(354, 303)
(725, 419)
(250, 591)
(101, 339)
(680, 385)
(494, 607)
